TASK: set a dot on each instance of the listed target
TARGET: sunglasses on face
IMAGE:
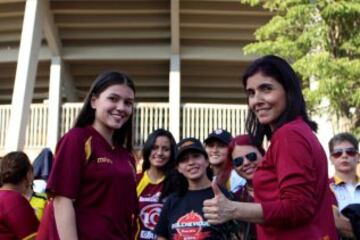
(349, 151)
(252, 156)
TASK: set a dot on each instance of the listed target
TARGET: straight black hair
(169, 167)
(281, 71)
(122, 136)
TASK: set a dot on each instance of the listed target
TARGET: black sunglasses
(237, 162)
(349, 151)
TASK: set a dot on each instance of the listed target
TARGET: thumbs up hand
(218, 209)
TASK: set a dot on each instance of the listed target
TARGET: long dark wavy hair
(122, 136)
(169, 167)
(281, 71)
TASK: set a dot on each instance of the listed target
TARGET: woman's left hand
(218, 209)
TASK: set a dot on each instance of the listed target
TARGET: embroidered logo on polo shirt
(104, 160)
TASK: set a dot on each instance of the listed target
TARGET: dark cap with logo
(189, 144)
(220, 135)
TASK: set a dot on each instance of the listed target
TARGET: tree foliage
(321, 38)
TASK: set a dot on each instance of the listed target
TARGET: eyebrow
(262, 85)
(119, 96)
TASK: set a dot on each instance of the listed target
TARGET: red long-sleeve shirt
(291, 184)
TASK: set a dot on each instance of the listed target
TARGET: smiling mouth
(248, 170)
(193, 170)
(118, 117)
(262, 110)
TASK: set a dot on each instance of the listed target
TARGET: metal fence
(197, 120)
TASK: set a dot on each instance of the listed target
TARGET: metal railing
(36, 130)
(5, 111)
(147, 118)
(69, 112)
(197, 120)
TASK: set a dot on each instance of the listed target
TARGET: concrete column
(56, 74)
(174, 96)
(25, 75)
(68, 85)
(174, 78)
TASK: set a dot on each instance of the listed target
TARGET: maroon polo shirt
(17, 217)
(101, 181)
(291, 183)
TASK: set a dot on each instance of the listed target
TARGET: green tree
(321, 39)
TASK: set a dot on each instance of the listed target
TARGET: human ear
(178, 169)
(93, 101)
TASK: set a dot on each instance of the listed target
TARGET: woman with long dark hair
(92, 181)
(292, 196)
(154, 182)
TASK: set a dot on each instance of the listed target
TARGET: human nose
(160, 152)
(245, 161)
(214, 149)
(120, 105)
(255, 99)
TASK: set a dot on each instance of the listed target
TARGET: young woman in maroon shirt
(154, 183)
(92, 182)
(292, 196)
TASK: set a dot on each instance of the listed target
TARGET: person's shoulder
(75, 133)
(77, 137)
(173, 197)
(296, 128)
(171, 200)
(13, 198)
(139, 176)
(294, 125)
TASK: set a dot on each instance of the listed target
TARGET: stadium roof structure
(202, 39)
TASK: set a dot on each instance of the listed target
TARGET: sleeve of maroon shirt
(69, 161)
(296, 176)
(21, 219)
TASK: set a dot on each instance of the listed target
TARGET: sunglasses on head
(349, 151)
(252, 156)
